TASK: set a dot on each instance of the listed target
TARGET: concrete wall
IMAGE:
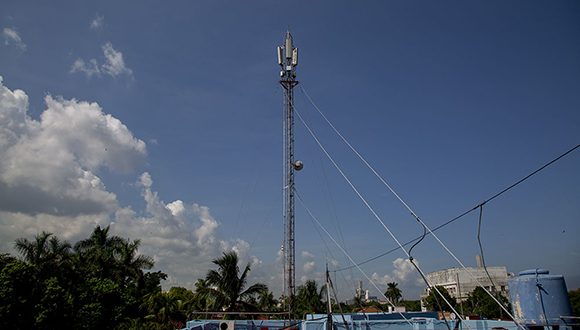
(461, 282)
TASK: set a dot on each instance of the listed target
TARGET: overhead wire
(332, 204)
(481, 246)
(369, 207)
(425, 227)
(481, 254)
(420, 222)
(401, 200)
(341, 248)
(463, 214)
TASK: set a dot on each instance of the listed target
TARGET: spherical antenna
(298, 165)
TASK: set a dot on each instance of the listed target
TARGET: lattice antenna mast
(288, 60)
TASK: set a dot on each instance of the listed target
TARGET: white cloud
(403, 273)
(97, 23)
(333, 262)
(90, 68)
(404, 270)
(14, 225)
(307, 255)
(170, 233)
(176, 208)
(242, 249)
(381, 280)
(309, 267)
(11, 37)
(49, 182)
(50, 165)
(182, 238)
(114, 64)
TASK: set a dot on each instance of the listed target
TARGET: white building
(461, 282)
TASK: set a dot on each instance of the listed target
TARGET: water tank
(538, 298)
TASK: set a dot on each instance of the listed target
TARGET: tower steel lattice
(288, 60)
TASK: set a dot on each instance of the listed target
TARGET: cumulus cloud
(242, 249)
(90, 68)
(309, 267)
(381, 280)
(404, 270)
(49, 182)
(403, 273)
(307, 255)
(181, 237)
(14, 225)
(50, 165)
(113, 66)
(11, 37)
(97, 23)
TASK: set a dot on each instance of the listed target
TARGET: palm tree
(59, 251)
(130, 264)
(266, 301)
(99, 251)
(159, 307)
(227, 284)
(393, 293)
(309, 298)
(47, 253)
(34, 252)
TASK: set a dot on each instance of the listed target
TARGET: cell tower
(288, 60)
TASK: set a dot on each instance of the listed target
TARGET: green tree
(131, 265)
(412, 305)
(575, 301)
(184, 302)
(17, 293)
(100, 283)
(435, 302)
(309, 298)
(480, 303)
(358, 303)
(97, 253)
(46, 253)
(266, 301)
(227, 286)
(160, 307)
(53, 296)
(393, 293)
(201, 297)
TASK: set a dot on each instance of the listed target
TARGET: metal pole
(288, 59)
(329, 325)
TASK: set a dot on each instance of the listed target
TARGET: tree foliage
(227, 286)
(411, 305)
(481, 303)
(101, 283)
(574, 296)
(435, 302)
(393, 293)
(309, 299)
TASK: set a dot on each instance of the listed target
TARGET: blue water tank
(539, 298)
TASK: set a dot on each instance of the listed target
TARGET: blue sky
(164, 120)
